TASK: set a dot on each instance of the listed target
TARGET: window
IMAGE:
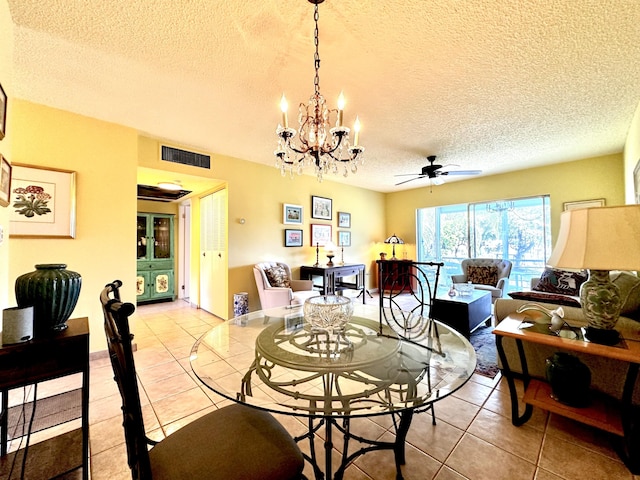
(517, 230)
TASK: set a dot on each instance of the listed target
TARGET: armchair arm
(298, 285)
(277, 297)
(502, 283)
(459, 278)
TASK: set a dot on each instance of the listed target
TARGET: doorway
(213, 253)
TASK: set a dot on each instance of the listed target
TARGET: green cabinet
(155, 246)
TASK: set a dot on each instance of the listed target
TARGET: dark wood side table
(58, 355)
(396, 276)
(464, 313)
(333, 277)
(604, 412)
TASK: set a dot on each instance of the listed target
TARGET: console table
(332, 277)
(60, 354)
(604, 413)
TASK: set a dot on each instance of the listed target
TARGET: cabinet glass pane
(162, 238)
(142, 237)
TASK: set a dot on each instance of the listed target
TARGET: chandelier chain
(316, 57)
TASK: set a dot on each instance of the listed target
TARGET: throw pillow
(564, 282)
(629, 286)
(545, 297)
(278, 277)
(483, 275)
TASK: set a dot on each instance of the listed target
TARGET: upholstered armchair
(490, 274)
(276, 288)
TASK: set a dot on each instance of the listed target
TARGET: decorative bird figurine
(556, 316)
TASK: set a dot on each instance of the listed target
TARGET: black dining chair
(236, 442)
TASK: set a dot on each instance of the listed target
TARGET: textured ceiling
(496, 85)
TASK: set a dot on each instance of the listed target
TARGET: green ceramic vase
(53, 292)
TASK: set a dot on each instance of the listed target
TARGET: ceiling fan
(434, 172)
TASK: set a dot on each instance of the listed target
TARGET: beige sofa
(607, 375)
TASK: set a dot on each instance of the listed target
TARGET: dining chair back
(235, 442)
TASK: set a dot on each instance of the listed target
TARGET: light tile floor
(473, 438)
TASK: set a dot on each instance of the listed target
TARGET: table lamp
(599, 239)
(394, 240)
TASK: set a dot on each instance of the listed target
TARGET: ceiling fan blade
(437, 180)
(406, 174)
(410, 180)
(462, 172)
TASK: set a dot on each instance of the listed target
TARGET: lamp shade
(601, 238)
(394, 239)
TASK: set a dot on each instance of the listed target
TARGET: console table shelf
(603, 412)
(618, 417)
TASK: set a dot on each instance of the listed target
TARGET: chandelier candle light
(318, 143)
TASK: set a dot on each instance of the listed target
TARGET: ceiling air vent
(175, 155)
(148, 192)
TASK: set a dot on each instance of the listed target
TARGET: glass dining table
(273, 360)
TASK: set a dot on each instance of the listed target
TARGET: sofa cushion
(483, 275)
(564, 282)
(629, 286)
(277, 276)
(566, 300)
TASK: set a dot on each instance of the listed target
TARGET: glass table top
(273, 360)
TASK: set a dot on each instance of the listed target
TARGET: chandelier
(319, 144)
(500, 206)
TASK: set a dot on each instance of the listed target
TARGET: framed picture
(292, 214)
(292, 238)
(599, 202)
(5, 181)
(3, 113)
(344, 220)
(320, 234)
(321, 208)
(43, 202)
(344, 238)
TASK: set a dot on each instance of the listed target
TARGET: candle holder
(330, 257)
(317, 255)
(341, 255)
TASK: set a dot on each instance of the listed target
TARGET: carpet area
(484, 343)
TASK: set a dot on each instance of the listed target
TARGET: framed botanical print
(321, 208)
(43, 202)
(320, 234)
(292, 214)
(344, 220)
(292, 238)
(344, 238)
(5, 181)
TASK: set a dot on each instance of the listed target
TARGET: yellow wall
(632, 157)
(600, 177)
(257, 194)
(6, 75)
(104, 155)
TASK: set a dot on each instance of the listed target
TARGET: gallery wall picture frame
(597, 202)
(344, 220)
(344, 238)
(292, 237)
(43, 202)
(5, 181)
(3, 113)
(321, 208)
(320, 234)
(292, 214)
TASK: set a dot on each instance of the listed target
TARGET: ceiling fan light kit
(320, 145)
